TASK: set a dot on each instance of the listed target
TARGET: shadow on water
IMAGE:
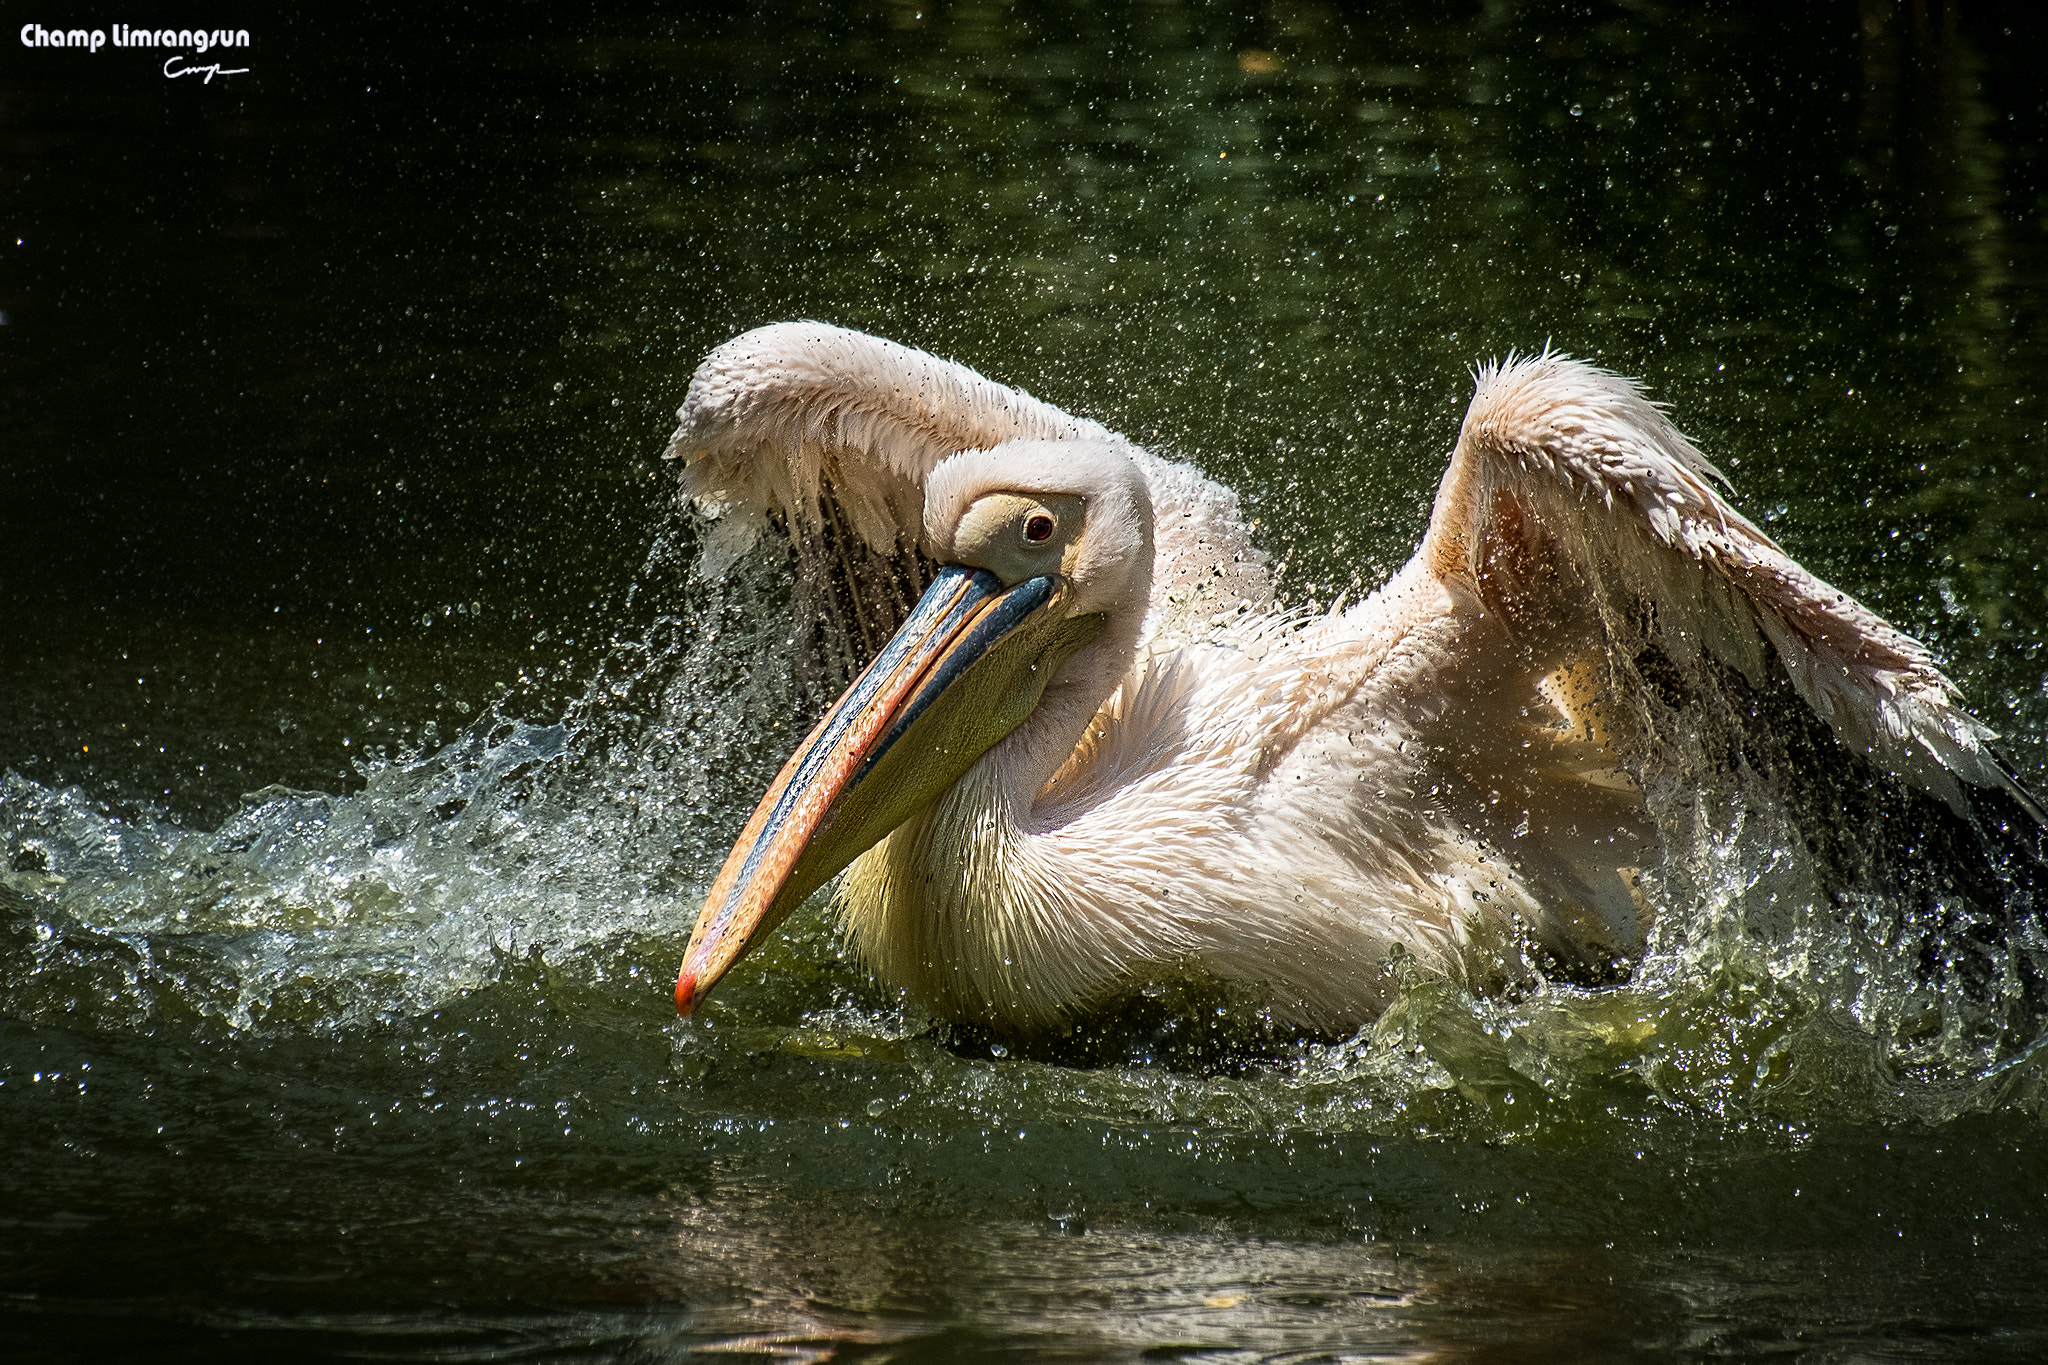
(333, 414)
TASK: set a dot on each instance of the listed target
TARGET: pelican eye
(1038, 529)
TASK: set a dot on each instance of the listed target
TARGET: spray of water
(1769, 993)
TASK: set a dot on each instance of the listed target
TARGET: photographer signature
(210, 71)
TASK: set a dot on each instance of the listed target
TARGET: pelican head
(1045, 550)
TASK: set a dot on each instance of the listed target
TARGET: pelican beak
(966, 669)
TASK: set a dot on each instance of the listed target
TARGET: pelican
(1087, 749)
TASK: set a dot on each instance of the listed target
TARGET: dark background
(393, 325)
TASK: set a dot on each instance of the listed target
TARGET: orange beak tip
(686, 993)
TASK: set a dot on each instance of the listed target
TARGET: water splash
(317, 910)
(1765, 999)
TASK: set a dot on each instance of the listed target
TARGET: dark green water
(365, 739)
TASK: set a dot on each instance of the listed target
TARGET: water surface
(366, 740)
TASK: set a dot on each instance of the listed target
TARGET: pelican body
(1094, 752)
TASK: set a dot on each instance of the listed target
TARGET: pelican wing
(1586, 536)
(776, 416)
(832, 433)
(1571, 497)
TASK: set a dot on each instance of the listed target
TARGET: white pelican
(1095, 752)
